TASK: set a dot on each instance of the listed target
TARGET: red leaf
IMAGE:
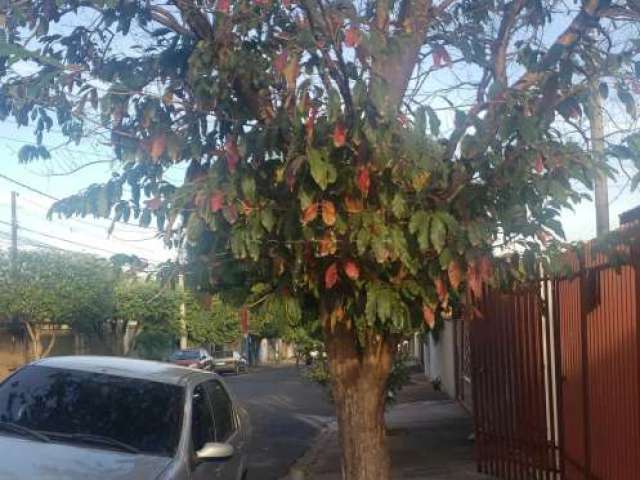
(351, 270)
(280, 62)
(352, 37)
(263, 3)
(455, 274)
(441, 289)
(363, 180)
(310, 123)
(216, 201)
(429, 316)
(310, 213)
(474, 279)
(232, 154)
(331, 276)
(339, 135)
(539, 164)
(223, 6)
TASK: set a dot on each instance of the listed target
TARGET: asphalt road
(287, 412)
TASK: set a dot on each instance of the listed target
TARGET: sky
(87, 234)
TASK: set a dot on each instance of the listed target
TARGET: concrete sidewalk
(428, 437)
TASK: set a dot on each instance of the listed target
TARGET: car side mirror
(215, 451)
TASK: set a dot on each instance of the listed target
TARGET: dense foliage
(321, 176)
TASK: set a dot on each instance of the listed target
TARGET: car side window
(202, 426)
(222, 410)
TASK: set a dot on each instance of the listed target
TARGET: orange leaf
(327, 245)
(351, 270)
(455, 274)
(429, 316)
(353, 205)
(291, 72)
(363, 180)
(232, 155)
(310, 213)
(352, 37)
(158, 146)
(216, 201)
(310, 123)
(331, 276)
(328, 213)
(280, 62)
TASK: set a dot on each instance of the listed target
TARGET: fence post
(584, 345)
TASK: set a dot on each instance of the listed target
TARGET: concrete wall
(439, 358)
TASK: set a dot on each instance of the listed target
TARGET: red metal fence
(556, 375)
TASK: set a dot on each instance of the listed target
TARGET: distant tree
(214, 324)
(142, 309)
(53, 289)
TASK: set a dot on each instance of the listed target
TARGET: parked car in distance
(68, 418)
(193, 358)
(229, 361)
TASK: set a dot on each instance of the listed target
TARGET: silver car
(116, 418)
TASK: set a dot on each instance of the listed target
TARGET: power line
(51, 197)
(72, 242)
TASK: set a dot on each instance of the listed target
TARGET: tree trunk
(359, 377)
(35, 342)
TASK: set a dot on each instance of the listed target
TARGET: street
(287, 412)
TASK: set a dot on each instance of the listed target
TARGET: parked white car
(119, 419)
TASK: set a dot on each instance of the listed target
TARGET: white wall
(440, 358)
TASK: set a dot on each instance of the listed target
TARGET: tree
(47, 288)
(216, 324)
(322, 178)
(143, 309)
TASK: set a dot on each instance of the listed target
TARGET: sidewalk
(428, 437)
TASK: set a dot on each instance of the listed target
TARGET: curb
(300, 469)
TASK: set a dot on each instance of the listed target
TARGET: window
(222, 410)
(144, 414)
(202, 426)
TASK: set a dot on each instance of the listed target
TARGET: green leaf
(399, 206)
(268, 219)
(248, 187)
(438, 233)
(323, 172)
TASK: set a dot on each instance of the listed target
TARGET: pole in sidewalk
(14, 230)
(183, 312)
(596, 121)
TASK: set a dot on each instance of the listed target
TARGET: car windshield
(143, 415)
(224, 354)
(186, 355)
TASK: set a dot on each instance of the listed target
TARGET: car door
(227, 428)
(203, 430)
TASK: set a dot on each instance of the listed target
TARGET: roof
(128, 367)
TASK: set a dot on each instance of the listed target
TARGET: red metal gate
(556, 375)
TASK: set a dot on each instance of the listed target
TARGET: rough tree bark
(359, 382)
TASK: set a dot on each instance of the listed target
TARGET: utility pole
(183, 306)
(596, 122)
(14, 231)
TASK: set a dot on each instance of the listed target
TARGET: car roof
(129, 368)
